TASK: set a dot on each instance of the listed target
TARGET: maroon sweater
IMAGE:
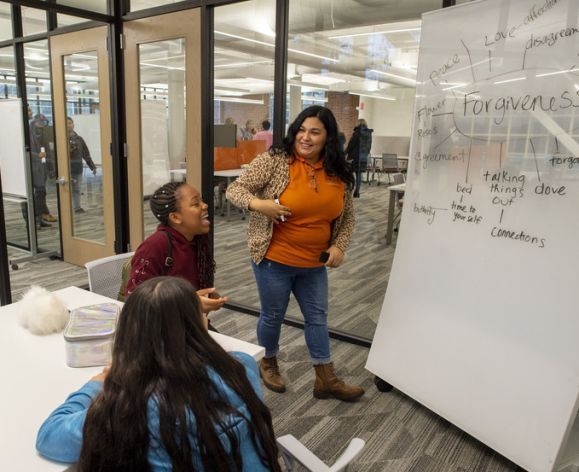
(149, 259)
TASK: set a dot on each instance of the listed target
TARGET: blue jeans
(362, 165)
(309, 285)
(76, 182)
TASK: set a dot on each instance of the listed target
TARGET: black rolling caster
(382, 385)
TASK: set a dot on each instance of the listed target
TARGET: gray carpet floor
(400, 434)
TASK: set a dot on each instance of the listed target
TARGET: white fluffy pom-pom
(41, 312)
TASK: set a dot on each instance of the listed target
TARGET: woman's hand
(274, 211)
(336, 257)
(103, 375)
(210, 300)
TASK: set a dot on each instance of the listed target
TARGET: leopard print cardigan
(266, 178)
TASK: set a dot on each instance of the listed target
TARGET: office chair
(389, 165)
(104, 275)
(294, 451)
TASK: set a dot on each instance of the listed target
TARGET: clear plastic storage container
(89, 335)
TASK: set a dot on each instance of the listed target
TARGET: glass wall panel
(144, 4)
(15, 211)
(42, 151)
(66, 20)
(33, 21)
(163, 121)
(99, 6)
(7, 73)
(361, 64)
(243, 107)
(84, 145)
(5, 22)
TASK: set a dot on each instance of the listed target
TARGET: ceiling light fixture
(381, 97)
(509, 80)
(373, 32)
(309, 85)
(263, 43)
(388, 74)
(159, 66)
(311, 98)
(237, 64)
(558, 72)
(238, 100)
(454, 86)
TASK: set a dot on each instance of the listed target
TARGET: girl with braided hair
(180, 246)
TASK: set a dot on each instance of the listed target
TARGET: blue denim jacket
(60, 436)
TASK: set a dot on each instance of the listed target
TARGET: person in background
(264, 135)
(184, 227)
(247, 132)
(358, 151)
(172, 398)
(342, 139)
(302, 219)
(38, 148)
(77, 152)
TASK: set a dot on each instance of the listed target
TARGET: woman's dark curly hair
(164, 202)
(334, 158)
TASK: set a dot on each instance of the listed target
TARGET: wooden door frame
(76, 250)
(183, 24)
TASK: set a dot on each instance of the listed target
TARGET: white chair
(294, 451)
(389, 165)
(104, 275)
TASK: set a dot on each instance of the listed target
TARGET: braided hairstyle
(165, 200)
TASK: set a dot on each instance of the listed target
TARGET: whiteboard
(480, 322)
(12, 155)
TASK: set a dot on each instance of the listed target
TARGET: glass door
(83, 136)
(163, 105)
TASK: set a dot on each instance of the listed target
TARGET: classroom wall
(241, 112)
(389, 118)
(344, 106)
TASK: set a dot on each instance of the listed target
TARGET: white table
(395, 192)
(36, 380)
(229, 174)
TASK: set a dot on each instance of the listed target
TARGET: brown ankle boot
(329, 385)
(269, 372)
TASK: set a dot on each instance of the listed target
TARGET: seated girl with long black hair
(172, 399)
(182, 232)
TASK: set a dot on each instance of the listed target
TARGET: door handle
(61, 181)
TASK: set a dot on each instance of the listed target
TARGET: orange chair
(225, 158)
(247, 150)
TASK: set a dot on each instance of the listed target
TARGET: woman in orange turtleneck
(302, 219)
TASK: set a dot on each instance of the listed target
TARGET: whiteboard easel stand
(569, 456)
(32, 231)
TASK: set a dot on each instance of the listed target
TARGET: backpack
(126, 270)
